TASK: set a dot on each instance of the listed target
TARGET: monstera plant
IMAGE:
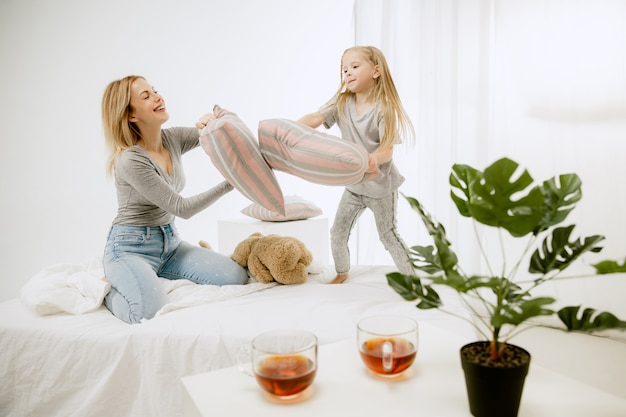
(504, 197)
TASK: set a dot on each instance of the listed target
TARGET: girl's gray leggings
(351, 206)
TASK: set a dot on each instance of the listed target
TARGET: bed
(92, 364)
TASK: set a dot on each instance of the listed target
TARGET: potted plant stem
(506, 198)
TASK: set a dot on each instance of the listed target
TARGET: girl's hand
(378, 158)
(204, 120)
(372, 164)
(313, 120)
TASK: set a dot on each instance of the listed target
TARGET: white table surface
(434, 387)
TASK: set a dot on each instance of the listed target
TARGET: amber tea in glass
(284, 362)
(387, 344)
(285, 375)
(401, 357)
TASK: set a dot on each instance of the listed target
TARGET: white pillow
(296, 208)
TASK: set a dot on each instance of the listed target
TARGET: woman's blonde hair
(119, 133)
(397, 121)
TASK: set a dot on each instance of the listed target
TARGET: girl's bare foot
(339, 279)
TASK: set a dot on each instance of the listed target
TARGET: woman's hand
(204, 120)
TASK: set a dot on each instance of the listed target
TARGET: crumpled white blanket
(79, 288)
(73, 288)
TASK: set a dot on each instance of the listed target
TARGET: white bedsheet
(92, 364)
(81, 288)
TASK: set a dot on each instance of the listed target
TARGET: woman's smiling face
(146, 103)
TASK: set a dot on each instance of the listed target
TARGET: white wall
(262, 59)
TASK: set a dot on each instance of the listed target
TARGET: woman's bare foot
(339, 279)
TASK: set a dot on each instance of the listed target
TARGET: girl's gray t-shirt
(365, 129)
(147, 195)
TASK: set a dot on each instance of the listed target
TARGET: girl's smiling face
(147, 105)
(359, 75)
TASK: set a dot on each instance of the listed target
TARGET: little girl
(368, 111)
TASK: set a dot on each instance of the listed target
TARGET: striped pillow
(315, 156)
(235, 153)
(296, 208)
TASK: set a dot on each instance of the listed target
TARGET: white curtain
(540, 81)
(438, 53)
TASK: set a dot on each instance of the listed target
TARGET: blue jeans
(136, 256)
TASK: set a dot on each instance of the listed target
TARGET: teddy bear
(283, 259)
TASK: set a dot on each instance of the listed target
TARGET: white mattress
(93, 364)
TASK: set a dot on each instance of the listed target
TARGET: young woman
(143, 243)
(368, 111)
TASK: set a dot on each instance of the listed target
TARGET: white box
(312, 232)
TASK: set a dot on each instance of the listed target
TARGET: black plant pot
(494, 391)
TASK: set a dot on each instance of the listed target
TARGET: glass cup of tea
(284, 362)
(387, 344)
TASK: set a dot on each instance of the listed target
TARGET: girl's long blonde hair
(397, 121)
(119, 133)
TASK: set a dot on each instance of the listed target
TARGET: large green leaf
(501, 197)
(411, 288)
(519, 312)
(425, 259)
(609, 267)
(444, 258)
(405, 285)
(447, 257)
(560, 198)
(432, 226)
(587, 322)
(557, 252)
(460, 178)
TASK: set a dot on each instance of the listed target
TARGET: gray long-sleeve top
(147, 195)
